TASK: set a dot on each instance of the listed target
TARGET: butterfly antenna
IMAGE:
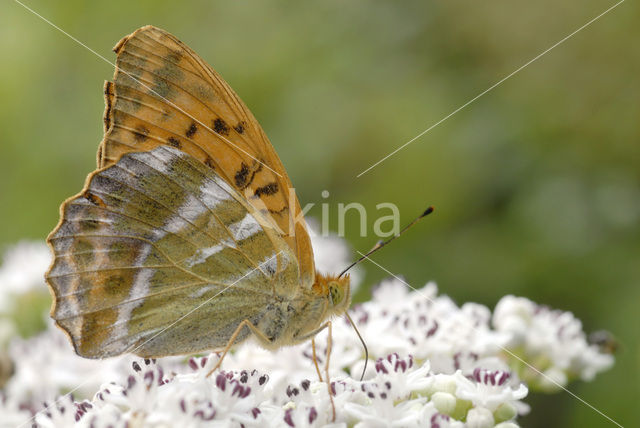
(364, 345)
(381, 243)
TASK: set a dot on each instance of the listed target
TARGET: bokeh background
(536, 183)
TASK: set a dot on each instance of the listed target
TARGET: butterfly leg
(315, 359)
(244, 323)
(326, 369)
(311, 335)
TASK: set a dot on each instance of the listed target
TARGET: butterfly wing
(163, 93)
(158, 255)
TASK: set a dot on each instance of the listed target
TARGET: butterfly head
(336, 290)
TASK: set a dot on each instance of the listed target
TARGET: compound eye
(336, 294)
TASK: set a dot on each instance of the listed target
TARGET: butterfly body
(186, 238)
(289, 322)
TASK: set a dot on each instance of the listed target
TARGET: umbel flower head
(432, 364)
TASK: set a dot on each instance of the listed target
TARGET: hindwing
(159, 242)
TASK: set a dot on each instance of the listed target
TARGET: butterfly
(188, 236)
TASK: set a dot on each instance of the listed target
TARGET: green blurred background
(536, 183)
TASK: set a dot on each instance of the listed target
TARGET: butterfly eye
(336, 294)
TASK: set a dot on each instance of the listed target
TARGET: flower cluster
(430, 363)
(551, 341)
(400, 393)
(21, 274)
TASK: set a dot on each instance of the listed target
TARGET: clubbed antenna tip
(381, 244)
(427, 211)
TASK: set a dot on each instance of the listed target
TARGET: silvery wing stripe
(203, 254)
(213, 189)
(203, 290)
(161, 159)
(269, 264)
(188, 213)
(212, 192)
(245, 228)
(139, 289)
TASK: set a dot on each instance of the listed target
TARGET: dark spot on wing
(174, 142)
(272, 211)
(209, 162)
(268, 189)
(91, 224)
(108, 95)
(192, 130)
(253, 174)
(241, 175)
(108, 88)
(94, 199)
(240, 127)
(161, 88)
(120, 44)
(140, 134)
(270, 269)
(221, 127)
(203, 92)
(174, 56)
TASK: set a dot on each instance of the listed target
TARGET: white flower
(444, 402)
(61, 413)
(154, 398)
(431, 363)
(551, 341)
(426, 326)
(45, 365)
(506, 425)
(488, 389)
(22, 270)
(400, 376)
(12, 411)
(480, 417)
(383, 413)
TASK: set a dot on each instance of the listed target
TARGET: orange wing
(163, 93)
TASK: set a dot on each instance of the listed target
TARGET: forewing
(163, 93)
(160, 256)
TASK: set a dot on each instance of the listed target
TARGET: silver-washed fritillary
(185, 238)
